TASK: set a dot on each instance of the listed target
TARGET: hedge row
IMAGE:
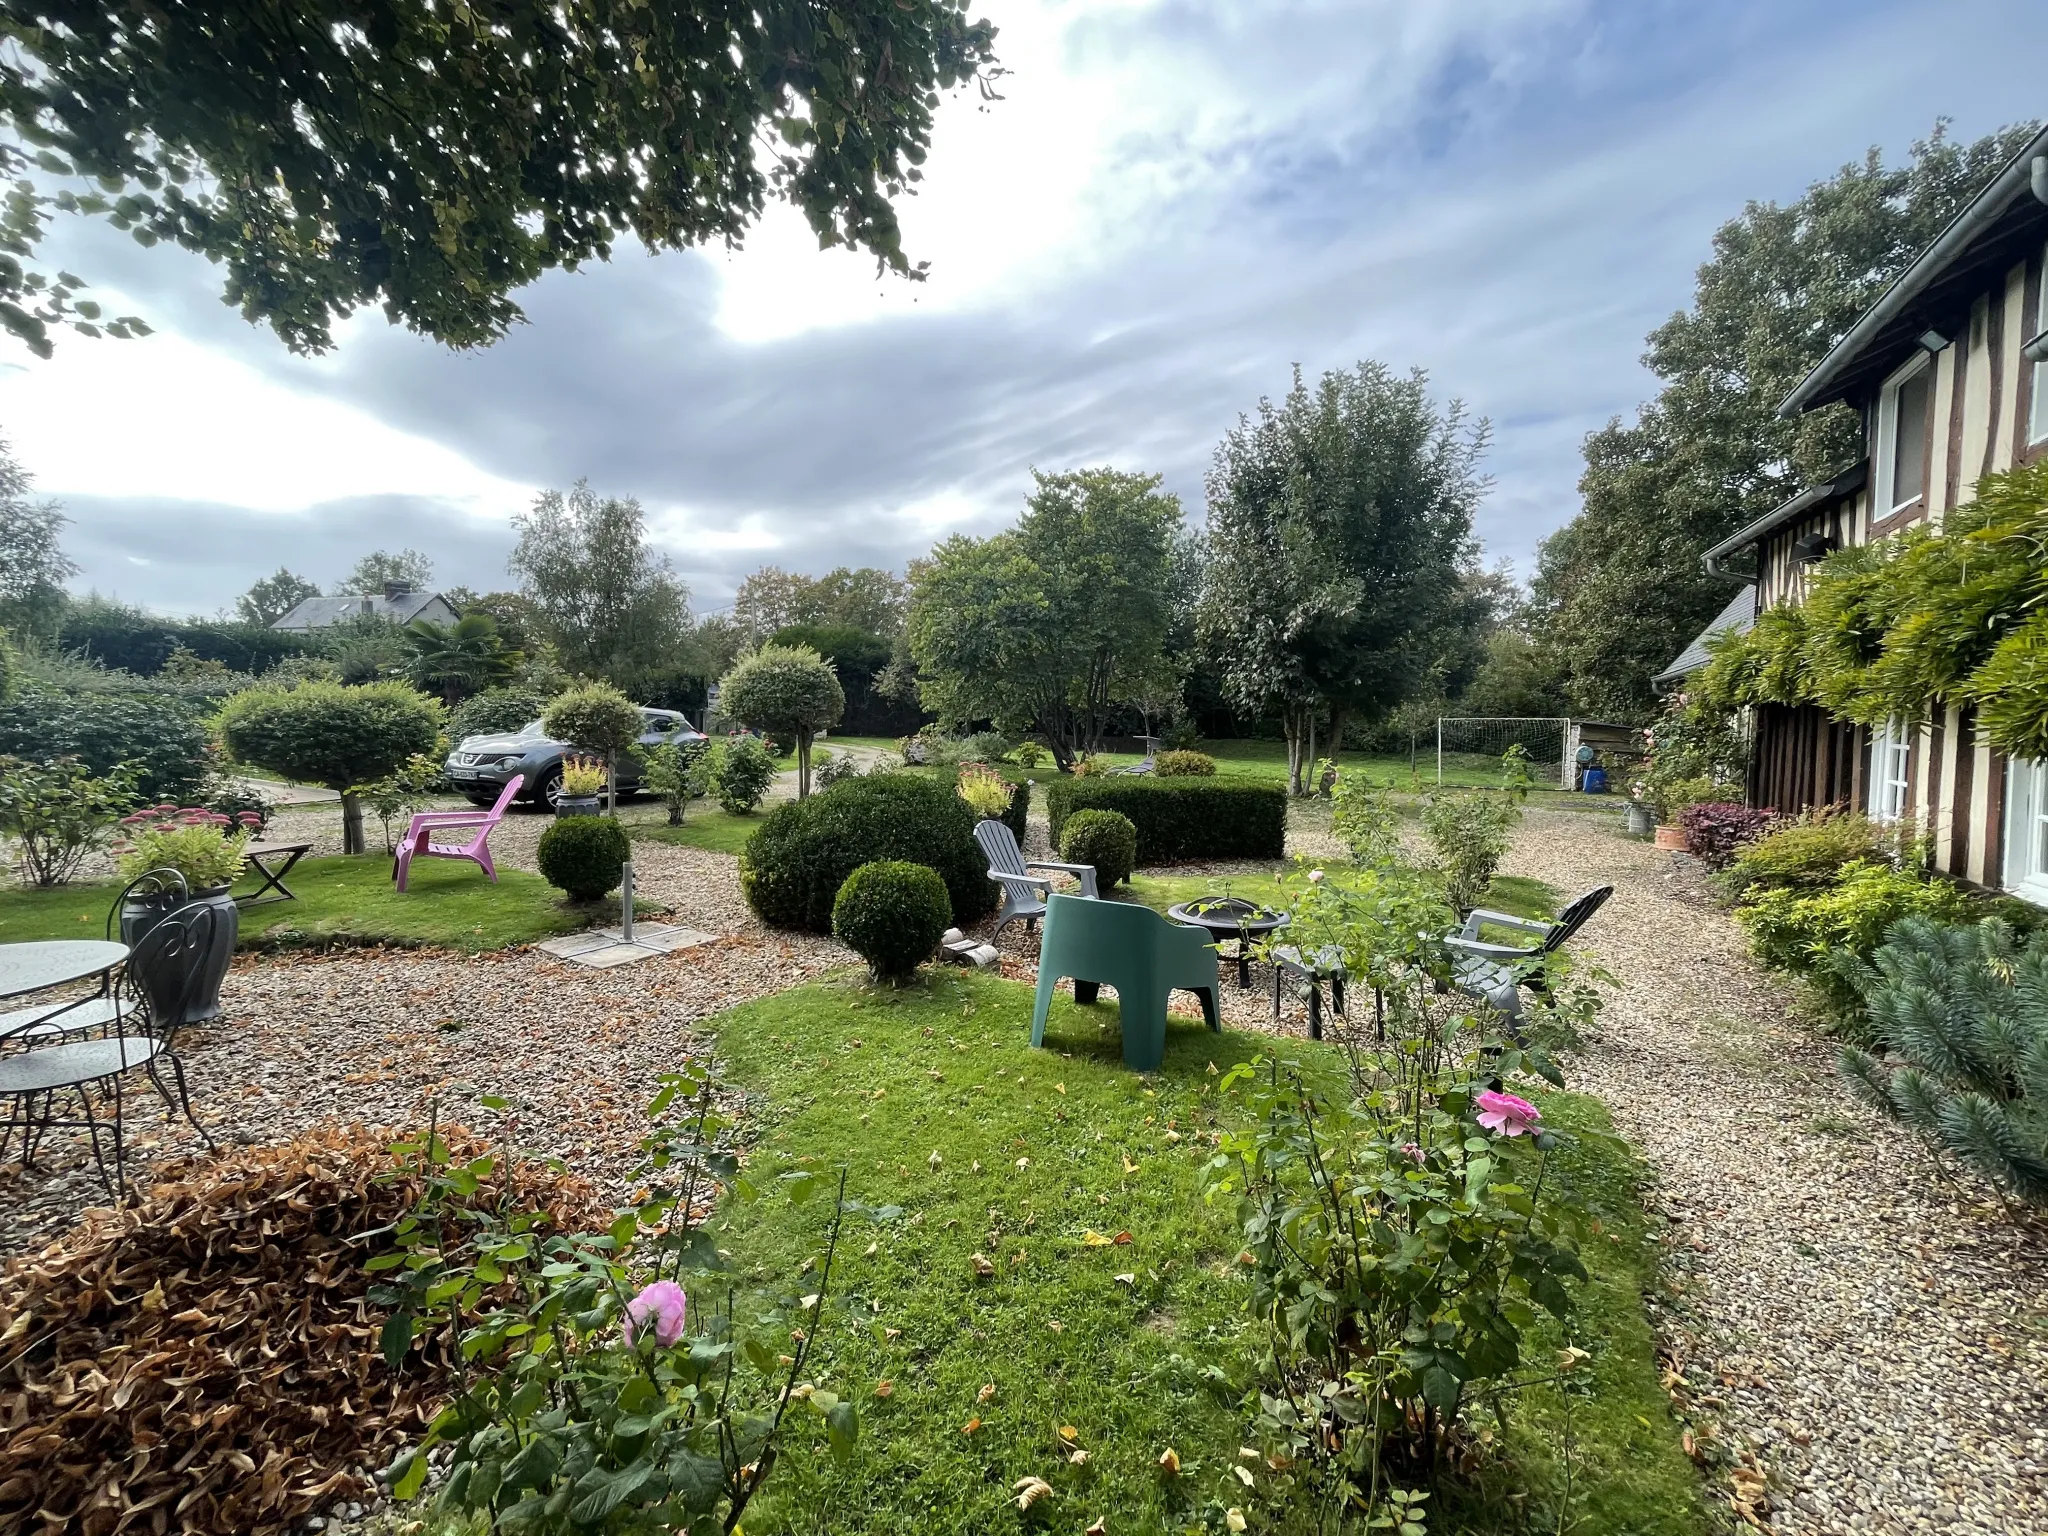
(1180, 819)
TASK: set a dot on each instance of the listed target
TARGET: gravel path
(1875, 1339)
(376, 1036)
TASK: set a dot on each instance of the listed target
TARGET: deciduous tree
(273, 597)
(33, 566)
(613, 608)
(369, 574)
(1340, 549)
(789, 691)
(430, 159)
(332, 734)
(1046, 627)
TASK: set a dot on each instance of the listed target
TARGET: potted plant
(208, 850)
(582, 787)
(1640, 818)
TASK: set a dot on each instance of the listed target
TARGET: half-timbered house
(1949, 371)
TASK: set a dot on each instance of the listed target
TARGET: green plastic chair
(1133, 949)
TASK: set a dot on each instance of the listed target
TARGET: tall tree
(273, 597)
(33, 565)
(1340, 549)
(1048, 626)
(369, 574)
(867, 599)
(1619, 589)
(613, 608)
(430, 159)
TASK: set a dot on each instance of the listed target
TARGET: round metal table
(52, 962)
(1231, 917)
(36, 967)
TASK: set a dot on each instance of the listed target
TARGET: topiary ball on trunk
(584, 856)
(892, 913)
(1106, 839)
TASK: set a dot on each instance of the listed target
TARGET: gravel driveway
(1874, 1338)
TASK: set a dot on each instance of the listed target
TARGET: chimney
(395, 589)
(368, 607)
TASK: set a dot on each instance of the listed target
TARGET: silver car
(480, 766)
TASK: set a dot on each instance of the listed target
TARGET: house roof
(1950, 272)
(1813, 496)
(322, 612)
(1737, 617)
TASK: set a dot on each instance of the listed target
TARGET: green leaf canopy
(430, 158)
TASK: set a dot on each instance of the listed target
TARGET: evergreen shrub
(1184, 765)
(1181, 819)
(584, 856)
(892, 913)
(793, 867)
(1814, 933)
(1806, 855)
(1106, 839)
(1966, 1011)
(164, 735)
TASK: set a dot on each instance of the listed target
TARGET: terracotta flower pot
(1672, 838)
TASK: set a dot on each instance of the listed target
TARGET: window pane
(1909, 450)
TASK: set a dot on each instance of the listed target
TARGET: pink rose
(665, 1303)
(1507, 1114)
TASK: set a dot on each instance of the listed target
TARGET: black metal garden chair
(67, 1083)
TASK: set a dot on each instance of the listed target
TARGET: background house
(397, 604)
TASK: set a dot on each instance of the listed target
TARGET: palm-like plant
(1964, 1011)
(459, 659)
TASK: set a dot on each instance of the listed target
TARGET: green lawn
(348, 900)
(934, 1100)
(704, 826)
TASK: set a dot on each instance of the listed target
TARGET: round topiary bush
(1106, 839)
(584, 856)
(892, 913)
(1184, 765)
(793, 867)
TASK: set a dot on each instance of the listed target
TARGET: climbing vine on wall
(1925, 619)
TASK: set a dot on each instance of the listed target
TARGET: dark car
(480, 766)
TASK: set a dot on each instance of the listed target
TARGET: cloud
(158, 551)
(1175, 203)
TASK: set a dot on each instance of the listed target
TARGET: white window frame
(2026, 830)
(1884, 454)
(1889, 790)
(2037, 424)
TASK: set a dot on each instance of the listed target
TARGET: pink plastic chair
(425, 825)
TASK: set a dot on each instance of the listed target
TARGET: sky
(1174, 204)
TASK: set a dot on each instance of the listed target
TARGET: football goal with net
(1469, 748)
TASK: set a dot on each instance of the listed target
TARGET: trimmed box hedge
(1181, 819)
